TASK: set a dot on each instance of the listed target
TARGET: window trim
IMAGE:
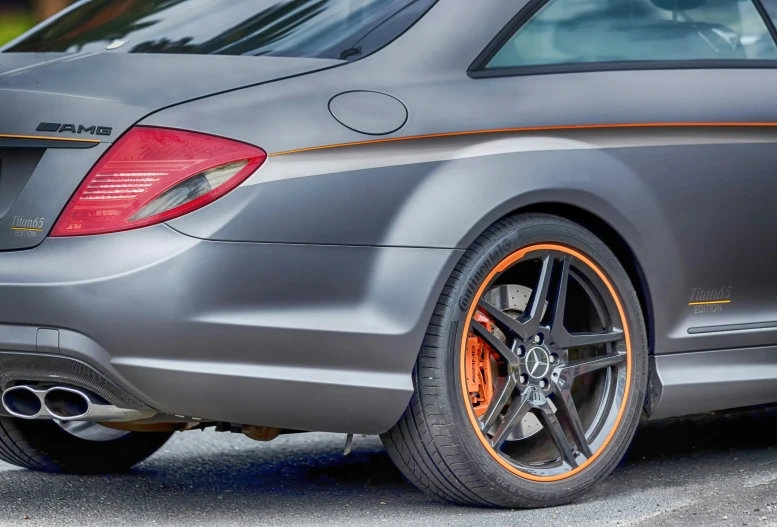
(477, 69)
(766, 18)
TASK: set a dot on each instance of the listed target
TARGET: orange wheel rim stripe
(504, 264)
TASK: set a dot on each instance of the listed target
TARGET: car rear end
(100, 295)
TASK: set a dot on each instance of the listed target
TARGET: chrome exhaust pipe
(70, 404)
(24, 402)
(66, 404)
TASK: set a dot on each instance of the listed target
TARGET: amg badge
(73, 129)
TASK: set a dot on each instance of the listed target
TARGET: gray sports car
(498, 233)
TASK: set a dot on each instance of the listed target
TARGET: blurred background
(16, 16)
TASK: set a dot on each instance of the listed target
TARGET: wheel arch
(614, 241)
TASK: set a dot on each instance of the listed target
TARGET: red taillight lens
(152, 175)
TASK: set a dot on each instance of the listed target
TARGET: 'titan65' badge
(29, 227)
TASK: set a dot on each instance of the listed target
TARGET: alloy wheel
(545, 379)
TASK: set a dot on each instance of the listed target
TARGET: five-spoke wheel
(531, 379)
(537, 364)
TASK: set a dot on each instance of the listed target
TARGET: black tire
(44, 446)
(434, 443)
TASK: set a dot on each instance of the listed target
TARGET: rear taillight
(155, 174)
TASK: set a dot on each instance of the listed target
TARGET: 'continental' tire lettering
(493, 258)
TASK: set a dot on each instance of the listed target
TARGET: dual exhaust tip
(65, 404)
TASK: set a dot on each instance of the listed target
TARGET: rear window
(337, 29)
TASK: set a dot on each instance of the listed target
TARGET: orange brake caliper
(478, 364)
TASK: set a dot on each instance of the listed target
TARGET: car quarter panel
(645, 181)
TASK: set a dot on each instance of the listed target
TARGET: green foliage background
(13, 24)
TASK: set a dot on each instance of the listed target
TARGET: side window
(588, 31)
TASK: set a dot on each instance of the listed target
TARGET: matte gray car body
(300, 299)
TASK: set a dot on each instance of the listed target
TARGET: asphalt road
(701, 471)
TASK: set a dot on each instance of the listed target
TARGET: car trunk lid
(59, 111)
(117, 90)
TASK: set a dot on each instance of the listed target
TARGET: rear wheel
(531, 379)
(74, 447)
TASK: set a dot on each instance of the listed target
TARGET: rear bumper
(305, 337)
